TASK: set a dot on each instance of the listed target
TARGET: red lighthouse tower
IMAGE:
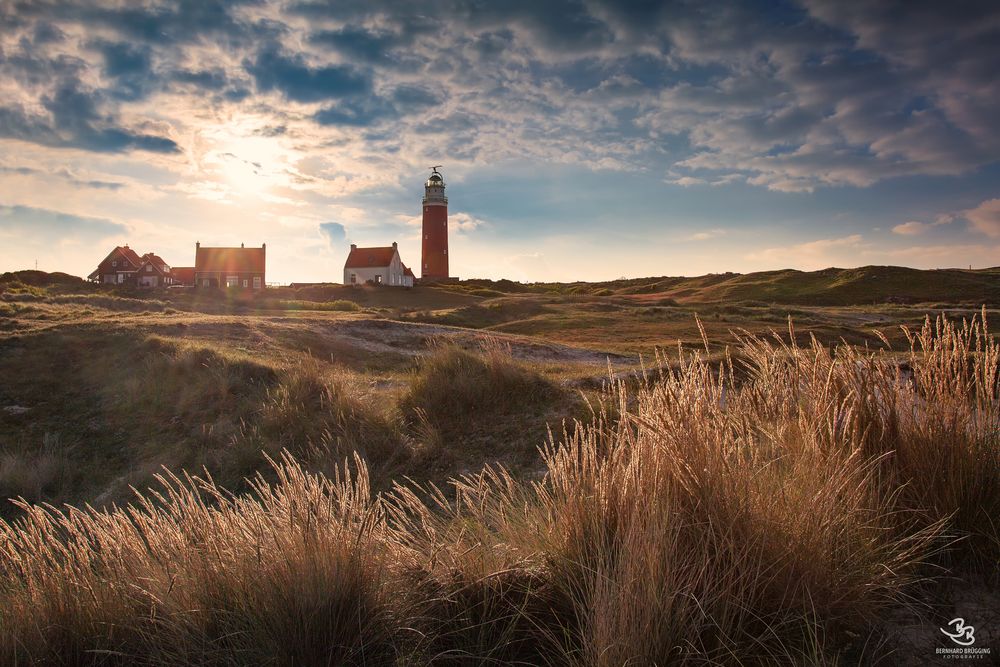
(434, 254)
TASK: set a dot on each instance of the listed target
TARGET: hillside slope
(827, 287)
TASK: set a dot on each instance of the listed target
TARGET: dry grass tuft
(456, 386)
(726, 515)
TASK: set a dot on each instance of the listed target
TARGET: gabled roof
(368, 258)
(123, 252)
(230, 260)
(183, 274)
(154, 258)
(407, 271)
(156, 266)
(130, 255)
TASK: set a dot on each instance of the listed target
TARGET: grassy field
(656, 471)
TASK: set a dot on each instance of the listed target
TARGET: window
(354, 279)
(232, 281)
(114, 262)
(246, 284)
(206, 283)
(149, 268)
(256, 282)
(378, 279)
(445, 251)
(426, 236)
(425, 265)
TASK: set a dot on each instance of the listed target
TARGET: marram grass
(749, 512)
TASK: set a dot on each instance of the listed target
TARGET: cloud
(986, 217)
(64, 174)
(53, 227)
(706, 235)
(130, 66)
(358, 112)
(272, 69)
(911, 228)
(811, 255)
(334, 232)
(464, 222)
(686, 181)
(77, 122)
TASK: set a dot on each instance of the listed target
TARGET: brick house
(183, 275)
(241, 268)
(154, 272)
(118, 268)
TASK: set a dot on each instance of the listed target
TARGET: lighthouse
(434, 255)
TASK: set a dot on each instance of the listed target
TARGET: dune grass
(723, 515)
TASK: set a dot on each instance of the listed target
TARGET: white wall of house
(391, 275)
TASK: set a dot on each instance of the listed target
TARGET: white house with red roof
(378, 266)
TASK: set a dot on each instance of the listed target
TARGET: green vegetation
(770, 510)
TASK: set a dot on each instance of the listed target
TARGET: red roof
(130, 255)
(407, 272)
(183, 274)
(230, 260)
(125, 253)
(364, 258)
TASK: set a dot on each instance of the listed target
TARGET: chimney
(197, 245)
(354, 246)
(243, 245)
(394, 244)
(264, 246)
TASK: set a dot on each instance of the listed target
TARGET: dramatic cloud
(280, 114)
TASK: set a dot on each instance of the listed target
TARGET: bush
(456, 386)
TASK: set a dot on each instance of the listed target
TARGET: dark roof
(153, 260)
(366, 258)
(156, 267)
(183, 274)
(130, 255)
(125, 253)
(230, 260)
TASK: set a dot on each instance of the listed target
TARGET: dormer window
(114, 263)
(149, 268)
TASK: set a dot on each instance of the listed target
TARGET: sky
(579, 140)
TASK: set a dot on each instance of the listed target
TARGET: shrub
(456, 386)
